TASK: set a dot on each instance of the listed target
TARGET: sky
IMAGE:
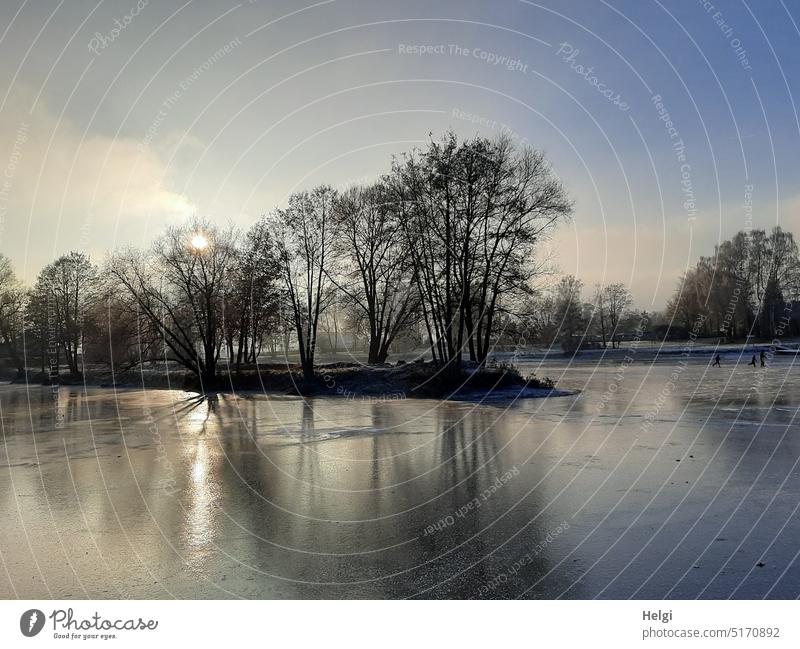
(671, 124)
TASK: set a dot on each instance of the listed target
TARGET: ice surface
(656, 480)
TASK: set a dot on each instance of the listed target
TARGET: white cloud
(77, 191)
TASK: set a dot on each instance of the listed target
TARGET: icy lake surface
(655, 480)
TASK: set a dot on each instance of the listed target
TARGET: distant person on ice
(763, 359)
(716, 361)
(753, 361)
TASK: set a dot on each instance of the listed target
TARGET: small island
(348, 380)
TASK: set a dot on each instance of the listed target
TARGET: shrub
(533, 381)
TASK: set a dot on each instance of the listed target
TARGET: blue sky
(222, 109)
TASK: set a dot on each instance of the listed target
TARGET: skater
(753, 361)
(763, 359)
(716, 361)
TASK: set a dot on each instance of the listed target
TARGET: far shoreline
(500, 380)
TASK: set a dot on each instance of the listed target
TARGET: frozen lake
(656, 480)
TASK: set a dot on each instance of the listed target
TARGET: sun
(199, 241)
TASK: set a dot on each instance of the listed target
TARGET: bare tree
(305, 236)
(472, 214)
(734, 289)
(600, 312)
(378, 275)
(617, 299)
(424, 189)
(569, 312)
(538, 318)
(783, 262)
(68, 286)
(517, 207)
(252, 303)
(686, 305)
(111, 332)
(12, 306)
(179, 288)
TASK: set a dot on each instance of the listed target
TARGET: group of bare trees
(471, 215)
(178, 290)
(609, 306)
(447, 238)
(305, 236)
(560, 316)
(742, 288)
(54, 315)
(378, 279)
(12, 304)
(51, 314)
(445, 243)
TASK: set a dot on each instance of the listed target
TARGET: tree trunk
(208, 376)
(373, 356)
(603, 329)
(308, 363)
(208, 370)
(473, 356)
(383, 353)
(240, 353)
(72, 361)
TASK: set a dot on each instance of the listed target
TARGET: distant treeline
(443, 248)
(748, 287)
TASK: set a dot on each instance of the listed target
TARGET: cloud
(73, 190)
